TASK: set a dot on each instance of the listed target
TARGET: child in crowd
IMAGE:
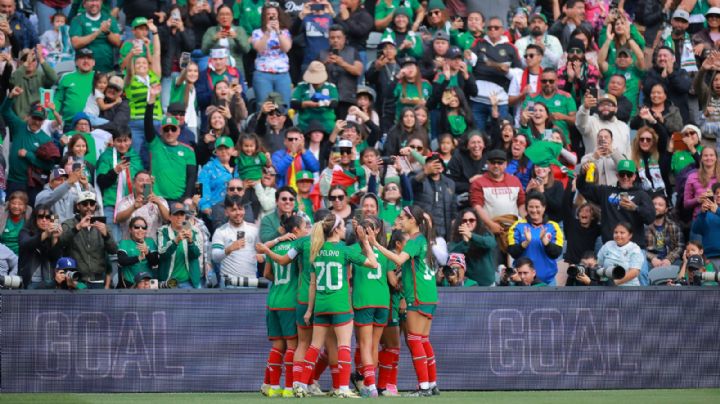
(252, 157)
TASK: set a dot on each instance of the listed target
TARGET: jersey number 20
(325, 271)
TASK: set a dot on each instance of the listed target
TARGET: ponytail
(425, 226)
(320, 231)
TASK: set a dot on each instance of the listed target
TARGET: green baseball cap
(169, 121)
(138, 21)
(224, 141)
(627, 166)
(304, 176)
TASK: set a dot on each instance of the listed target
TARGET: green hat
(402, 11)
(138, 21)
(627, 165)
(169, 121)
(392, 180)
(304, 176)
(543, 153)
(224, 141)
(436, 5)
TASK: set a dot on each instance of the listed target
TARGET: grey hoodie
(8, 261)
(61, 200)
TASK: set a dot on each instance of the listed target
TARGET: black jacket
(678, 84)
(357, 27)
(173, 45)
(118, 117)
(35, 254)
(462, 167)
(383, 80)
(437, 198)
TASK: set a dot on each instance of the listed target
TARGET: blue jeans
(481, 113)
(137, 130)
(644, 276)
(200, 58)
(44, 12)
(265, 83)
(185, 285)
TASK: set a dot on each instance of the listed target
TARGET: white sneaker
(265, 389)
(315, 390)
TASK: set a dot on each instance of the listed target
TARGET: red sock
(274, 367)
(430, 353)
(395, 352)
(311, 356)
(369, 375)
(358, 360)
(385, 365)
(335, 374)
(320, 366)
(419, 358)
(289, 355)
(345, 365)
(298, 371)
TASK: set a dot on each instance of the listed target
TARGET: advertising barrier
(484, 339)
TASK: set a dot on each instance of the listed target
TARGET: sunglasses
(546, 81)
(496, 162)
(625, 174)
(469, 220)
(88, 203)
(292, 139)
(140, 227)
(435, 12)
(576, 51)
(530, 55)
(46, 217)
(391, 189)
(170, 129)
(233, 189)
(493, 27)
(334, 198)
(274, 113)
(689, 133)
(418, 148)
(645, 140)
(345, 151)
(287, 199)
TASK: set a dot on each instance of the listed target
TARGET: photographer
(142, 281)
(622, 252)
(453, 274)
(233, 244)
(66, 276)
(87, 239)
(8, 262)
(579, 275)
(522, 275)
(693, 264)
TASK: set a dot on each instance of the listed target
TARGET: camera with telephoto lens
(74, 275)
(616, 272)
(574, 270)
(709, 276)
(168, 284)
(10, 281)
(243, 281)
(508, 271)
(448, 271)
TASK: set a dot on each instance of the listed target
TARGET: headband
(408, 212)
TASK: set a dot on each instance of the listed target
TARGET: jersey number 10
(282, 273)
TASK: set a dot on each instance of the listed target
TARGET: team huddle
(312, 307)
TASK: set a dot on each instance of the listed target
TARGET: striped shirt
(137, 94)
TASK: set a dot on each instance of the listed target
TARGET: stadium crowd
(165, 143)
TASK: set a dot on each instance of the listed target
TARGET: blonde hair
(320, 232)
(637, 152)
(703, 175)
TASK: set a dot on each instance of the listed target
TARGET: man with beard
(560, 104)
(589, 125)
(664, 237)
(577, 76)
(553, 50)
(233, 244)
(677, 81)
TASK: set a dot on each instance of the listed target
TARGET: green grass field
(524, 397)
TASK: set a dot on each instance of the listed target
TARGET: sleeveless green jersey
(370, 286)
(418, 278)
(331, 277)
(301, 251)
(284, 288)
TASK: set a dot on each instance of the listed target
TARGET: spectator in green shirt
(74, 88)
(97, 30)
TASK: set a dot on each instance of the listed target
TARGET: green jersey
(10, 234)
(331, 277)
(107, 162)
(301, 249)
(250, 167)
(682, 159)
(382, 9)
(72, 93)
(284, 288)
(129, 247)
(248, 14)
(103, 51)
(128, 45)
(418, 278)
(370, 285)
(136, 93)
(632, 75)
(168, 165)
(324, 115)
(561, 102)
(416, 44)
(410, 91)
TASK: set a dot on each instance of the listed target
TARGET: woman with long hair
(455, 114)
(405, 127)
(399, 28)
(534, 124)
(420, 290)
(218, 126)
(39, 248)
(339, 202)
(78, 149)
(470, 237)
(652, 160)
(272, 42)
(518, 163)
(183, 92)
(502, 132)
(622, 251)
(142, 75)
(371, 298)
(330, 297)
(411, 90)
(545, 183)
(699, 183)
(658, 113)
(137, 254)
(13, 218)
(468, 162)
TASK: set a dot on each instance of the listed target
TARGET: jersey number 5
(377, 273)
(325, 272)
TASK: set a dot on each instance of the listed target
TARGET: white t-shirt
(242, 262)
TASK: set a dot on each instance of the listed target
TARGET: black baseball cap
(496, 154)
(84, 53)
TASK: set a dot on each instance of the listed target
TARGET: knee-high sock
(274, 366)
(289, 377)
(395, 352)
(385, 365)
(345, 365)
(320, 366)
(369, 375)
(430, 353)
(311, 357)
(419, 358)
(298, 368)
(335, 374)
(358, 360)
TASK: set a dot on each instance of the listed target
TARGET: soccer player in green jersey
(371, 302)
(280, 315)
(420, 292)
(329, 297)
